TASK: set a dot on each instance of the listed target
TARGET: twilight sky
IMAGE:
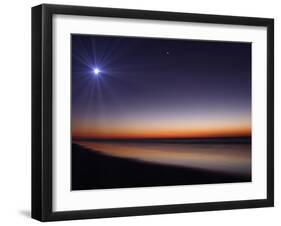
(126, 87)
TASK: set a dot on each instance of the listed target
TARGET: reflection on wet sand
(226, 158)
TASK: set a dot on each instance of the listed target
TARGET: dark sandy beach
(93, 170)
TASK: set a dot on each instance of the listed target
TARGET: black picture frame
(42, 111)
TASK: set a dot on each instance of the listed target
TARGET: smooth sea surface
(227, 157)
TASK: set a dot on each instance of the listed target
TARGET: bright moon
(96, 71)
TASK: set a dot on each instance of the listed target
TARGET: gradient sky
(150, 87)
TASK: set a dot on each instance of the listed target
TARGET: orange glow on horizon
(169, 133)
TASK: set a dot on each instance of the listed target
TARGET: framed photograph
(146, 112)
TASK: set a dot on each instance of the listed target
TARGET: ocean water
(227, 157)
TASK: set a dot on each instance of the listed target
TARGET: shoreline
(93, 170)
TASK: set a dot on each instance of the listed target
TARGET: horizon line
(158, 138)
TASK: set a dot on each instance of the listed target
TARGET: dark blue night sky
(150, 87)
